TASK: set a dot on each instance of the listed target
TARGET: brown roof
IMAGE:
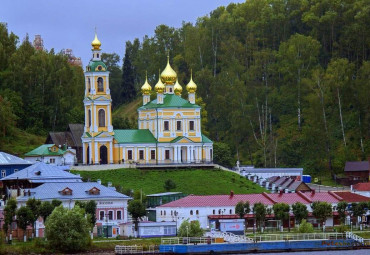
(352, 197)
(352, 166)
(76, 132)
(362, 186)
(71, 137)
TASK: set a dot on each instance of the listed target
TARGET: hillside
(128, 111)
(20, 142)
(188, 181)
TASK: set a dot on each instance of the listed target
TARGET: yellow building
(169, 127)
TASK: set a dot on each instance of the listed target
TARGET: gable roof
(76, 131)
(357, 166)
(205, 139)
(179, 138)
(362, 186)
(41, 172)
(50, 191)
(351, 197)
(44, 150)
(170, 101)
(8, 159)
(134, 136)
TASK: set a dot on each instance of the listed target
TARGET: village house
(53, 155)
(357, 171)
(10, 164)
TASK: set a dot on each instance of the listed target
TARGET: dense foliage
(190, 229)
(68, 230)
(39, 90)
(291, 77)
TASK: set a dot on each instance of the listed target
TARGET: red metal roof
(362, 186)
(267, 199)
(352, 197)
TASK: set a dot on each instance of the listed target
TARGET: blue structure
(259, 247)
(10, 164)
(306, 178)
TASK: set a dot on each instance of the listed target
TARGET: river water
(341, 252)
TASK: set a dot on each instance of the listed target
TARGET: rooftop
(47, 150)
(362, 186)
(50, 191)
(41, 172)
(164, 194)
(170, 101)
(8, 159)
(352, 197)
(357, 166)
(134, 136)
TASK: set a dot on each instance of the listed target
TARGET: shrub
(68, 230)
(342, 228)
(305, 227)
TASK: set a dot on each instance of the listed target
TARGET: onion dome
(168, 76)
(177, 88)
(159, 87)
(146, 88)
(191, 87)
(96, 43)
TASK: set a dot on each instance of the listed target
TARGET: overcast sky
(71, 23)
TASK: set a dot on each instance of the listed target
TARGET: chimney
(231, 194)
(281, 192)
(98, 181)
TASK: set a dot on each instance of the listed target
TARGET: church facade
(169, 127)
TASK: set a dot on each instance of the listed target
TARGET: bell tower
(98, 131)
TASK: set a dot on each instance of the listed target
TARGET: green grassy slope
(194, 181)
(20, 142)
(128, 110)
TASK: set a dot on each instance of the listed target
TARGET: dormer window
(66, 192)
(94, 191)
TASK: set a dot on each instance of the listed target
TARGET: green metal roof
(94, 64)
(205, 139)
(43, 150)
(134, 136)
(170, 101)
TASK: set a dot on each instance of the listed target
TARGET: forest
(285, 83)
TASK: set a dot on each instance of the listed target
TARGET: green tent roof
(170, 101)
(134, 136)
(94, 64)
(43, 150)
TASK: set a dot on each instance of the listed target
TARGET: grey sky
(71, 23)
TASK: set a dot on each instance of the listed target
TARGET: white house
(52, 154)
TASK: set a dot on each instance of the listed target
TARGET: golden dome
(96, 43)
(146, 88)
(168, 76)
(159, 87)
(191, 87)
(177, 88)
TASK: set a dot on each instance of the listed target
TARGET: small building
(35, 175)
(264, 173)
(111, 206)
(150, 229)
(285, 184)
(53, 155)
(154, 200)
(357, 171)
(10, 164)
(362, 188)
(70, 138)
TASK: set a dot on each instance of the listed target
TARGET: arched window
(219, 211)
(101, 118)
(171, 213)
(89, 116)
(214, 212)
(161, 213)
(100, 85)
(191, 212)
(97, 55)
(231, 211)
(89, 85)
(164, 213)
(197, 212)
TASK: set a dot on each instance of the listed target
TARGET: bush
(190, 229)
(68, 230)
(342, 228)
(305, 227)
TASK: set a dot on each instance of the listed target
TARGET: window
(101, 118)
(97, 55)
(191, 212)
(152, 154)
(178, 125)
(191, 125)
(197, 212)
(119, 215)
(3, 173)
(214, 212)
(89, 85)
(170, 90)
(231, 211)
(166, 125)
(100, 85)
(141, 154)
(89, 118)
(167, 154)
(164, 213)
(52, 161)
(219, 211)
(110, 215)
(129, 154)
(169, 230)
(101, 213)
